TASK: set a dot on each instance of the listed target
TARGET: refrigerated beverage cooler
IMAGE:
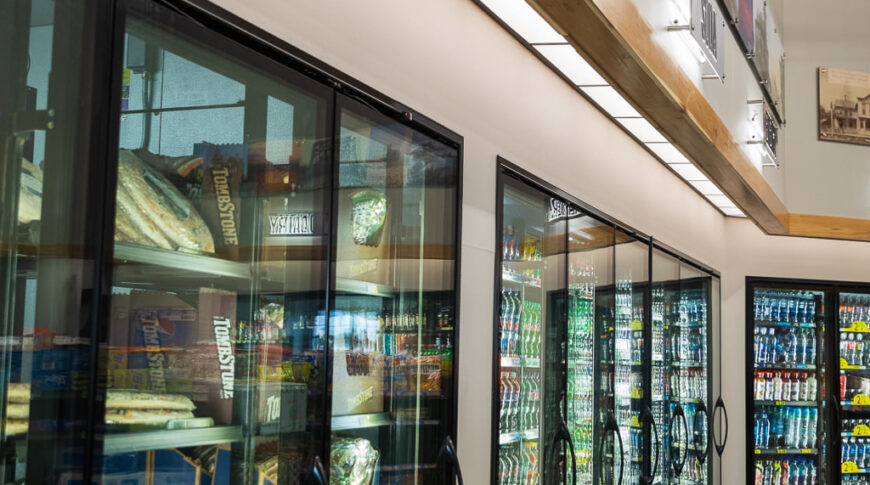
(218, 268)
(604, 366)
(798, 431)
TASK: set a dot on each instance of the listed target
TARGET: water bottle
(805, 358)
(814, 423)
(804, 428)
(760, 350)
(792, 347)
(765, 430)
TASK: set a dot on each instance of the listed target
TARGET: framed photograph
(741, 14)
(844, 106)
(769, 58)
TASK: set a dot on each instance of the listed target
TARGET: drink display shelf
(851, 468)
(768, 323)
(847, 367)
(513, 437)
(856, 408)
(785, 366)
(684, 364)
(761, 402)
(526, 362)
(786, 451)
(407, 468)
(509, 277)
(117, 443)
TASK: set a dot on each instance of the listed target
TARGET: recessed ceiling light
(524, 20)
(720, 201)
(642, 129)
(732, 211)
(668, 152)
(572, 65)
(706, 187)
(688, 172)
(611, 101)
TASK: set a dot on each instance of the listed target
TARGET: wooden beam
(613, 36)
(829, 227)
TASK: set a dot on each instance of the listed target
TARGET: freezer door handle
(678, 412)
(612, 425)
(318, 473)
(644, 417)
(702, 408)
(720, 405)
(448, 451)
(562, 434)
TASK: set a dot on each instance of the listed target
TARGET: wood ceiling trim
(614, 37)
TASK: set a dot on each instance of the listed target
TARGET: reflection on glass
(391, 325)
(215, 352)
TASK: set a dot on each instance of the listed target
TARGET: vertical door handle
(678, 412)
(703, 409)
(318, 474)
(448, 450)
(648, 416)
(613, 426)
(562, 434)
(720, 405)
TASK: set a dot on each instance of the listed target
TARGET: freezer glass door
(590, 267)
(51, 186)
(216, 333)
(630, 298)
(530, 331)
(391, 331)
(788, 362)
(854, 387)
(665, 290)
(690, 366)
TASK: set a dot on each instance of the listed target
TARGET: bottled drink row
(518, 464)
(854, 349)
(520, 326)
(519, 247)
(799, 471)
(520, 402)
(784, 346)
(687, 384)
(628, 383)
(851, 386)
(785, 427)
(581, 321)
(850, 424)
(857, 451)
(854, 308)
(855, 480)
(785, 386)
(695, 470)
(784, 306)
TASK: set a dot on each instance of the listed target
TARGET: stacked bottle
(519, 326)
(520, 402)
(785, 386)
(791, 307)
(854, 349)
(857, 451)
(695, 470)
(854, 308)
(795, 471)
(786, 427)
(688, 384)
(785, 346)
(518, 464)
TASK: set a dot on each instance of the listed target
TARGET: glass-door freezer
(786, 381)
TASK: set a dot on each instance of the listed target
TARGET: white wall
(823, 177)
(447, 59)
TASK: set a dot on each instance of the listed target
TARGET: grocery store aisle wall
(450, 61)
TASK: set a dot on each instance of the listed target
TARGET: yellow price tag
(859, 326)
(637, 325)
(861, 400)
(757, 452)
(849, 467)
(634, 422)
(780, 451)
(636, 393)
(780, 403)
(861, 430)
(845, 365)
(806, 451)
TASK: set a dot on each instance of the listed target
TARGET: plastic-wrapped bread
(352, 462)
(156, 209)
(145, 416)
(147, 400)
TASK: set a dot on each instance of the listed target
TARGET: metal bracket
(27, 121)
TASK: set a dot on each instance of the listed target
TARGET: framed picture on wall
(844, 106)
(741, 14)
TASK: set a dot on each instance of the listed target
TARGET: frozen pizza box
(175, 345)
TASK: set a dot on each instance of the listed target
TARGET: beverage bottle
(768, 387)
(765, 430)
(791, 309)
(811, 477)
(803, 435)
(773, 345)
(792, 347)
(759, 385)
(517, 398)
(796, 386)
(804, 358)
(811, 347)
(765, 306)
(777, 386)
(801, 308)
(804, 388)
(760, 351)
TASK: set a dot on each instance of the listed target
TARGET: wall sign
(844, 106)
(708, 29)
(771, 132)
(741, 15)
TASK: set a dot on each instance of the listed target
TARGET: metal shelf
(786, 403)
(787, 451)
(114, 444)
(178, 261)
(347, 285)
(357, 421)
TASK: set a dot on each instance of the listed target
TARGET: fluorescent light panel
(706, 188)
(642, 129)
(524, 21)
(720, 201)
(668, 153)
(572, 65)
(732, 211)
(611, 101)
(689, 172)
